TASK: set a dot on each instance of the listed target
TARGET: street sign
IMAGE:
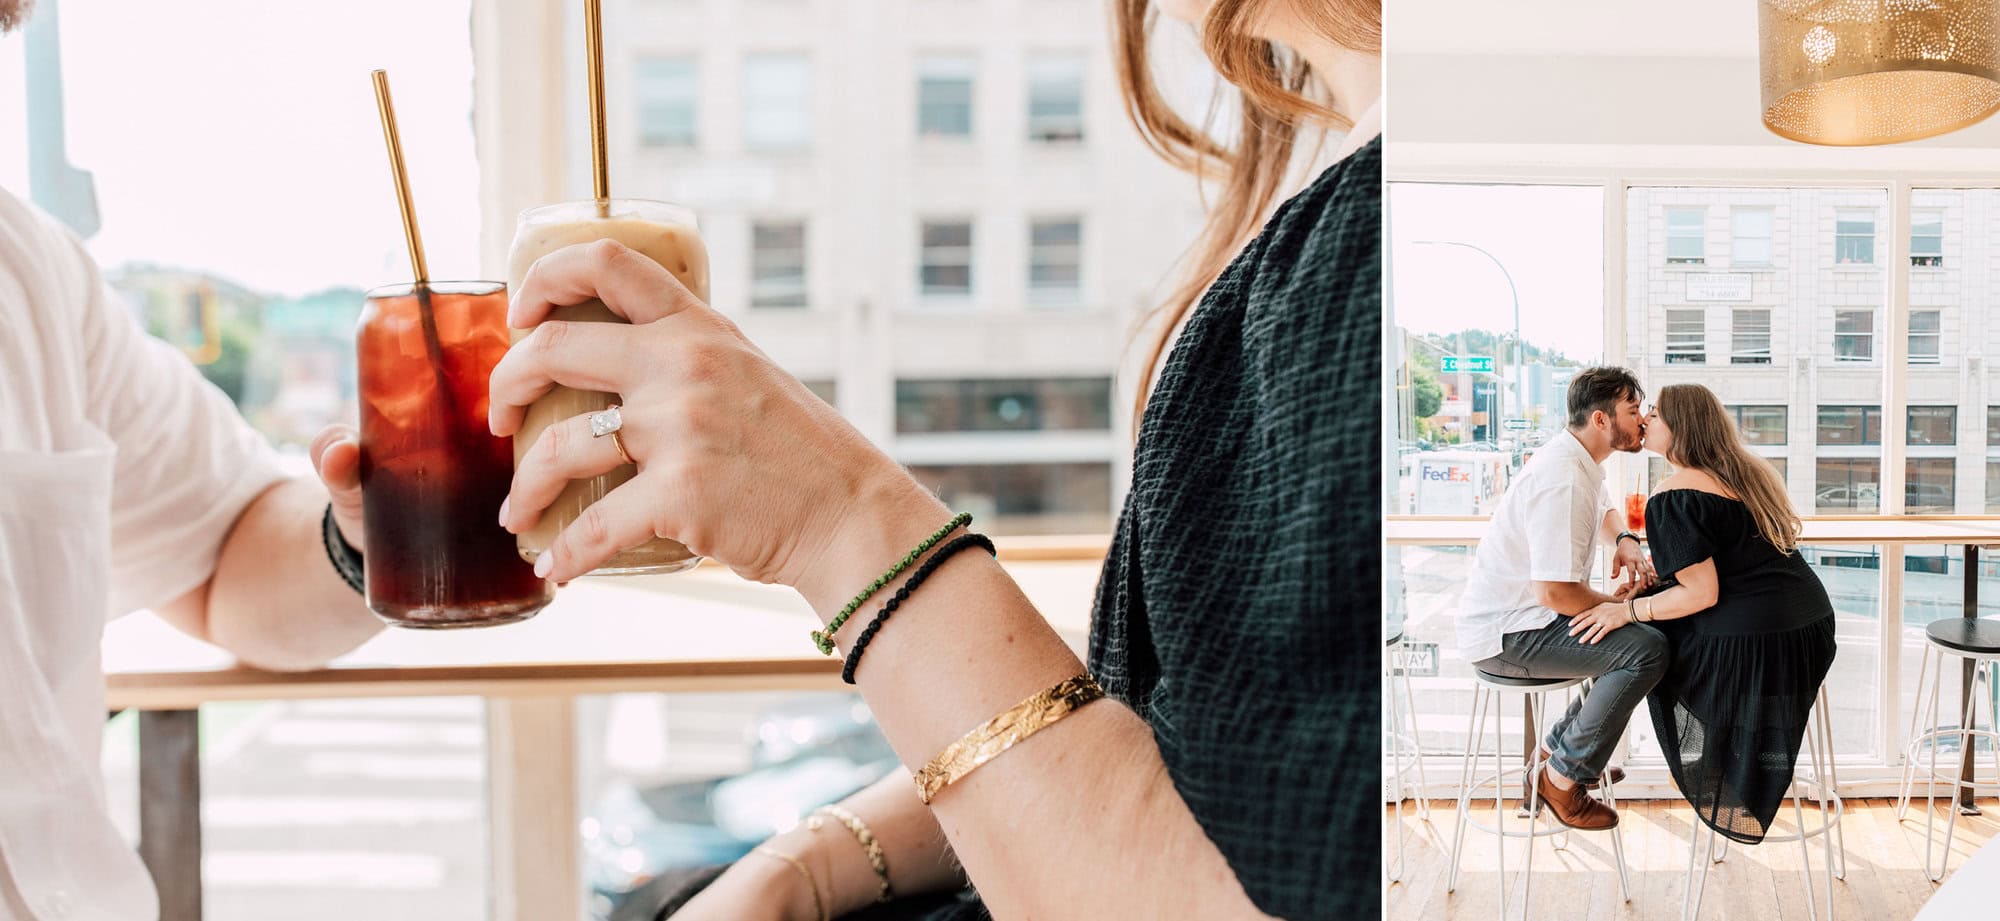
(1417, 660)
(1472, 363)
(1515, 425)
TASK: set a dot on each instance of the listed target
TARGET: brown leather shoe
(1612, 773)
(1575, 807)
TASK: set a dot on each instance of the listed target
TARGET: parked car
(804, 754)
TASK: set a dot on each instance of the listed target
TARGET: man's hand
(1592, 625)
(1630, 561)
(336, 454)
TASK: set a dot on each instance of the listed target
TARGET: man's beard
(1632, 441)
(13, 13)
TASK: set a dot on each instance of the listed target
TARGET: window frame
(1688, 351)
(1864, 337)
(1737, 236)
(1699, 234)
(925, 295)
(1753, 356)
(1742, 171)
(943, 61)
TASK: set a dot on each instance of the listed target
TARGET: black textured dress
(1731, 711)
(1238, 613)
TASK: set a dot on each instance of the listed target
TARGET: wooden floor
(1885, 878)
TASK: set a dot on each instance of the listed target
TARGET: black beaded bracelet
(916, 578)
(345, 558)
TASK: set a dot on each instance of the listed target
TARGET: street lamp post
(1500, 387)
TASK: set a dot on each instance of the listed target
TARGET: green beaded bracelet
(824, 638)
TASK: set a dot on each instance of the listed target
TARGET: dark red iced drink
(432, 475)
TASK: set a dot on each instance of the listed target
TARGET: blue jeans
(1624, 666)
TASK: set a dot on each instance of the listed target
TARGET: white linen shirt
(1545, 530)
(121, 472)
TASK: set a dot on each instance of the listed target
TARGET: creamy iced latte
(667, 235)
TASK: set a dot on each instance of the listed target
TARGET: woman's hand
(736, 458)
(1591, 625)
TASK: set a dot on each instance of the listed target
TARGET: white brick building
(1776, 299)
(934, 212)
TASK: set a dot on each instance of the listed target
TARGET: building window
(1850, 425)
(1847, 484)
(1033, 405)
(1750, 236)
(1853, 335)
(1687, 236)
(1055, 98)
(1993, 426)
(945, 267)
(1933, 425)
(1993, 487)
(1924, 332)
(666, 94)
(1930, 485)
(778, 264)
(1686, 338)
(1750, 337)
(1048, 498)
(1854, 237)
(1760, 425)
(944, 97)
(826, 390)
(1927, 238)
(777, 102)
(1055, 260)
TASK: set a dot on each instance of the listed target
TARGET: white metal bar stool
(1953, 638)
(1405, 752)
(1487, 695)
(1822, 778)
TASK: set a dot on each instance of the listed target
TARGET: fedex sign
(1452, 474)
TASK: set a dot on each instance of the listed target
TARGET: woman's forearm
(1673, 604)
(1037, 827)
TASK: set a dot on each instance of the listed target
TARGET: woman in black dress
(1749, 624)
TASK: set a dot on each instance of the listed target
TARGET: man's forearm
(275, 601)
(1570, 598)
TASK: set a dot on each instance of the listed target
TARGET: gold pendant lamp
(1856, 72)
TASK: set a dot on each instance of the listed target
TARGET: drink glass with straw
(664, 233)
(432, 476)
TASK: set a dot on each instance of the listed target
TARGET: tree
(1429, 397)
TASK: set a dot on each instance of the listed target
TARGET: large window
(1850, 425)
(1853, 335)
(1003, 405)
(944, 96)
(1054, 498)
(1927, 238)
(778, 264)
(1848, 484)
(1485, 335)
(1760, 425)
(1925, 330)
(1750, 231)
(1055, 260)
(945, 263)
(1687, 236)
(1933, 425)
(777, 102)
(1750, 337)
(1687, 337)
(1854, 237)
(1055, 98)
(666, 93)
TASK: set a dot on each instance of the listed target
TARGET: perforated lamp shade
(1854, 72)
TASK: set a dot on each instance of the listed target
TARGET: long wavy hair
(1705, 439)
(1277, 97)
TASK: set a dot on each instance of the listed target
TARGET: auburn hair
(1277, 96)
(1705, 439)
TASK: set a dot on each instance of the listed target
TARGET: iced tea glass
(661, 232)
(432, 474)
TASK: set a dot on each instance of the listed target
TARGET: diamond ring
(608, 422)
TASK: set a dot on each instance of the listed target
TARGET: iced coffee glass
(665, 234)
(432, 474)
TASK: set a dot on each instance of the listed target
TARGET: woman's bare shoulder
(1698, 480)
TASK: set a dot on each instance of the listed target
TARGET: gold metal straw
(600, 171)
(395, 142)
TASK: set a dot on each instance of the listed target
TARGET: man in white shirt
(126, 482)
(1531, 573)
